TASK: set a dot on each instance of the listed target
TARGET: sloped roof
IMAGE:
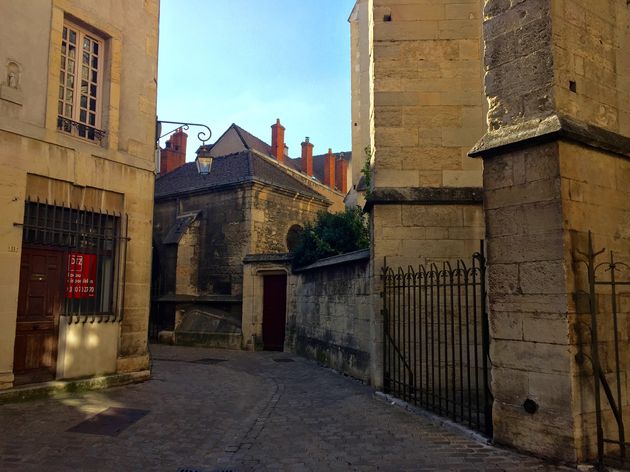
(252, 142)
(241, 167)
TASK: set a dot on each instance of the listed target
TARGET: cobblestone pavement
(246, 413)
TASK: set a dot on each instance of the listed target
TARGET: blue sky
(251, 61)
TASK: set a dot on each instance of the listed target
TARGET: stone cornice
(424, 196)
(551, 128)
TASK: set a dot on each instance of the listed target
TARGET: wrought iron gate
(609, 308)
(436, 339)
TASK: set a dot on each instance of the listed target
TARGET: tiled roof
(252, 142)
(245, 166)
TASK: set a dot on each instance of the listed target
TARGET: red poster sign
(81, 276)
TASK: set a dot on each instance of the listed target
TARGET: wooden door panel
(274, 311)
(39, 299)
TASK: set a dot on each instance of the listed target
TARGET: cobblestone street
(212, 410)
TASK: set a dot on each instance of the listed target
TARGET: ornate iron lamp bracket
(203, 136)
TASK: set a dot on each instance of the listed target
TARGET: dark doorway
(39, 303)
(274, 311)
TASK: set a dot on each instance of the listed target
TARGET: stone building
(76, 179)
(547, 82)
(250, 201)
(418, 104)
(556, 179)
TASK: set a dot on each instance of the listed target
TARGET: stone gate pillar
(556, 165)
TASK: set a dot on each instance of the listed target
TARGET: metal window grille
(83, 235)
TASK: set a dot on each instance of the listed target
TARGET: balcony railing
(80, 129)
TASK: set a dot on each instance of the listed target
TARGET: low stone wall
(329, 313)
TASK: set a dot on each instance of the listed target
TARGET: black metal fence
(436, 339)
(609, 349)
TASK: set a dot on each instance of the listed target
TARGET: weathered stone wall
(592, 66)
(223, 229)
(429, 108)
(419, 234)
(274, 212)
(531, 350)
(329, 314)
(595, 189)
(541, 202)
(566, 56)
(519, 62)
(205, 281)
(31, 145)
(428, 94)
(555, 167)
(362, 87)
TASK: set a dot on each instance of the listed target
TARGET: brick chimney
(306, 162)
(329, 169)
(173, 155)
(277, 141)
(341, 173)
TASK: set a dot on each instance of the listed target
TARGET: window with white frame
(80, 82)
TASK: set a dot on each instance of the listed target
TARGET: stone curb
(433, 418)
(60, 387)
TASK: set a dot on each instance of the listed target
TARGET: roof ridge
(243, 133)
(285, 170)
(238, 130)
(285, 167)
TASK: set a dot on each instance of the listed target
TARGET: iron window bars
(94, 291)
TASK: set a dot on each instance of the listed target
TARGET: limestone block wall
(329, 314)
(531, 350)
(592, 67)
(420, 234)
(595, 197)
(555, 159)
(428, 110)
(362, 76)
(188, 254)
(274, 212)
(566, 56)
(428, 93)
(223, 228)
(31, 146)
(540, 204)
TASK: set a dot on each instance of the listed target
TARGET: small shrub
(331, 234)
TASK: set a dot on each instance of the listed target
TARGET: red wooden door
(39, 301)
(274, 311)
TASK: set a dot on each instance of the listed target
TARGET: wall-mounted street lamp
(200, 136)
(204, 159)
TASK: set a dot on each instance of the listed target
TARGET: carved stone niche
(10, 88)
